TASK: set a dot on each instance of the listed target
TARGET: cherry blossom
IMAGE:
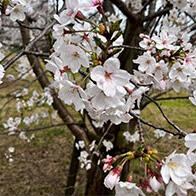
(128, 189)
(181, 190)
(146, 62)
(110, 77)
(179, 72)
(73, 57)
(155, 184)
(108, 163)
(68, 16)
(17, 13)
(108, 145)
(95, 3)
(71, 93)
(190, 141)
(165, 41)
(177, 168)
(193, 99)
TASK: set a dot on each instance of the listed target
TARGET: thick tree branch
(123, 8)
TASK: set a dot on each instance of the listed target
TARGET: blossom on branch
(177, 168)
(110, 77)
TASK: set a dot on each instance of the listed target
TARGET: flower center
(74, 90)
(158, 68)
(108, 75)
(173, 165)
(179, 69)
(164, 42)
(16, 10)
(76, 55)
(148, 62)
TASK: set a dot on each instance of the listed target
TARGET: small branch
(140, 131)
(39, 128)
(13, 60)
(25, 26)
(156, 14)
(164, 115)
(37, 53)
(102, 138)
(143, 105)
(171, 98)
(57, 6)
(156, 127)
(28, 47)
(127, 46)
(7, 56)
(191, 17)
(155, 26)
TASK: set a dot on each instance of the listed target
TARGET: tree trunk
(95, 180)
(73, 171)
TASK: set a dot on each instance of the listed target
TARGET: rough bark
(73, 170)
(131, 38)
(95, 179)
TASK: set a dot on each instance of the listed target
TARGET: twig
(7, 56)
(164, 115)
(37, 53)
(181, 134)
(28, 47)
(13, 60)
(102, 138)
(39, 128)
(159, 13)
(127, 46)
(171, 98)
(25, 26)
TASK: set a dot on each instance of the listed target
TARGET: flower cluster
(169, 61)
(86, 78)
(175, 171)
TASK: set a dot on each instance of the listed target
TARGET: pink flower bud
(80, 16)
(112, 178)
(100, 9)
(108, 163)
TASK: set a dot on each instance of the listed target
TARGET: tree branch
(159, 13)
(39, 128)
(165, 116)
(123, 8)
(181, 134)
